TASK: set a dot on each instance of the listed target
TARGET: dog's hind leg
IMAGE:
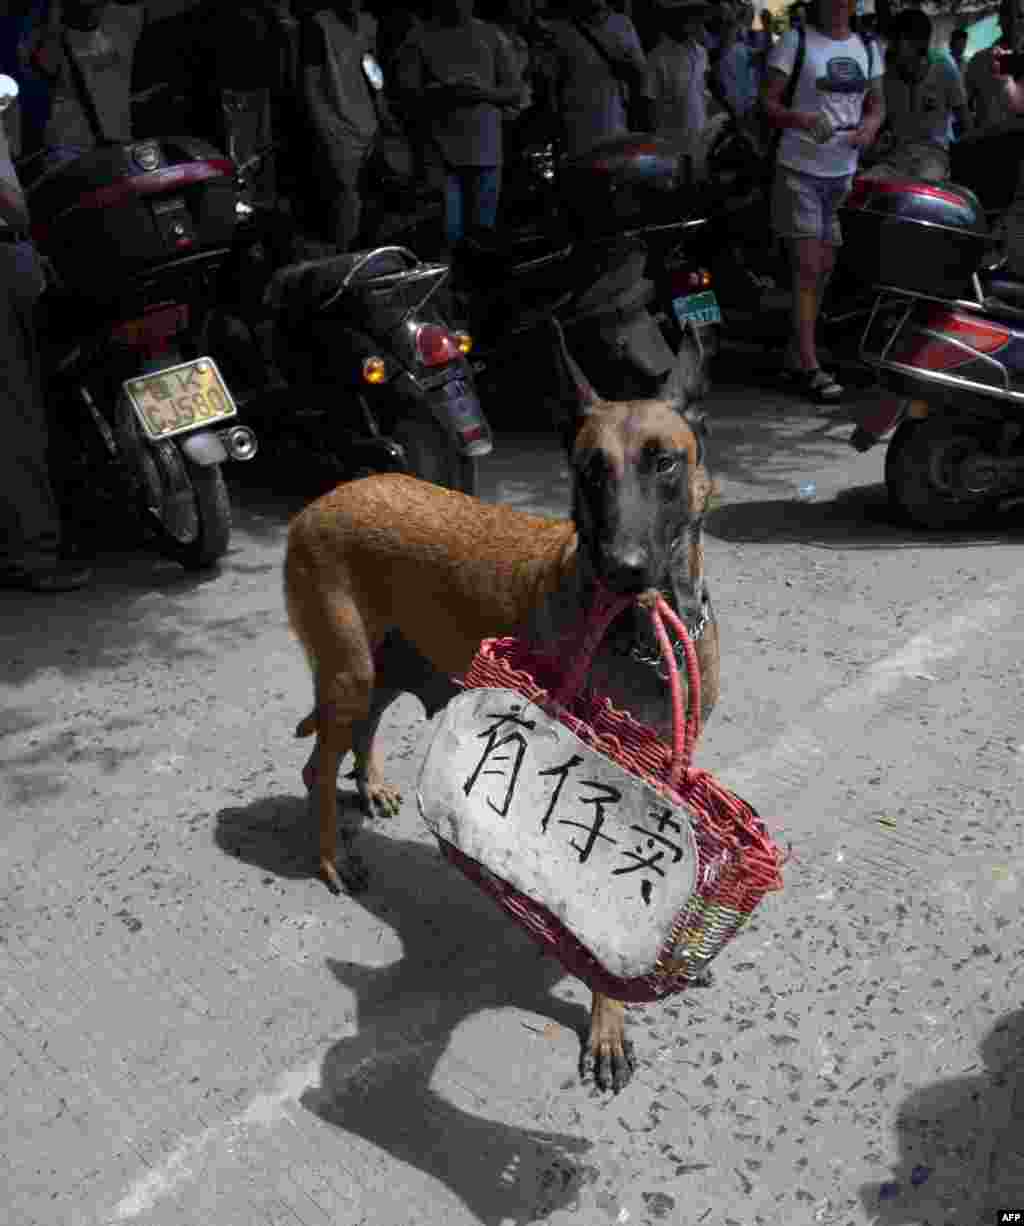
(344, 679)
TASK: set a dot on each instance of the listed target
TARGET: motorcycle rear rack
(890, 296)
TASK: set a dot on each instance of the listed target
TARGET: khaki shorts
(807, 206)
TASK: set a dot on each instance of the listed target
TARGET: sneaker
(862, 440)
(817, 385)
(58, 576)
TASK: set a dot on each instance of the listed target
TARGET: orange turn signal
(374, 370)
(463, 342)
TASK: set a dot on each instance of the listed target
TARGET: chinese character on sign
(606, 795)
(494, 742)
(561, 773)
(652, 860)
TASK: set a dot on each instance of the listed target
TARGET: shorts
(807, 206)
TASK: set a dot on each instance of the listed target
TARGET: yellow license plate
(180, 398)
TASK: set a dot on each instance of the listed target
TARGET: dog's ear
(686, 383)
(576, 390)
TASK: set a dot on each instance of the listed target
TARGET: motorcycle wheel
(920, 465)
(432, 456)
(189, 511)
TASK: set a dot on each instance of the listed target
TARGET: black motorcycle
(346, 362)
(134, 236)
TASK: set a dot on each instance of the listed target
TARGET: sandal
(59, 576)
(818, 386)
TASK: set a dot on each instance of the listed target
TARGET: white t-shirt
(834, 80)
(676, 80)
(920, 112)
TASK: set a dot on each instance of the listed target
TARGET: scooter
(586, 264)
(346, 362)
(946, 338)
(134, 235)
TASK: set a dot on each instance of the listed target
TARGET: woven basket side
(737, 861)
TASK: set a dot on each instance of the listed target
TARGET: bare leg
(806, 256)
(608, 1054)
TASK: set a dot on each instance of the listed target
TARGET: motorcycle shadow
(856, 518)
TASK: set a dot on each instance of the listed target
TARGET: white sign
(604, 852)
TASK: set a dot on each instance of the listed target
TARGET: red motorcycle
(946, 338)
(134, 235)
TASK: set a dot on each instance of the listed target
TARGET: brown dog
(391, 584)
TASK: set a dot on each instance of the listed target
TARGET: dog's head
(641, 483)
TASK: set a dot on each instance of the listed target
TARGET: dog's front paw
(608, 1061)
(380, 800)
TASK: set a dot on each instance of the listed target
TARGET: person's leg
(454, 207)
(29, 519)
(346, 208)
(484, 195)
(807, 256)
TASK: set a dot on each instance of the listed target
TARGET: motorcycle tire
(186, 506)
(432, 456)
(917, 472)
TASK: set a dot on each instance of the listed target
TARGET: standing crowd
(464, 93)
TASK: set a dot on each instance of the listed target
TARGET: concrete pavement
(195, 1033)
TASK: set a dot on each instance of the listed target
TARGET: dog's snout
(627, 569)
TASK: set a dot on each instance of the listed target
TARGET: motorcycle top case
(929, 238)
(118, 210)
(629, 180)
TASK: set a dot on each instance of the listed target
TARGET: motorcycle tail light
(463, 342)
(374, 370)
(938, 353)
(436, 346)
(154, 330)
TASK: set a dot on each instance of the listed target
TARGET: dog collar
(694, 629)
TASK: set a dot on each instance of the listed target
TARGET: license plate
(700, 308)
(180, 398)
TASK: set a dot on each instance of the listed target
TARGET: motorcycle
(946, 338)
(134, 235)
(346, 361)
(585, 263)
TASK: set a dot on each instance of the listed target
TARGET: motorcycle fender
(640, 341)
(203, 448)
(458, 412)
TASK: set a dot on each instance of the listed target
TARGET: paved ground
(195, 1033)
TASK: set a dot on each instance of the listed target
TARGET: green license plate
(180, 398)
(700, 308)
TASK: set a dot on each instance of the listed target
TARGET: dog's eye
(666, 465)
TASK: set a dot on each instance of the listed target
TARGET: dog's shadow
(461, 955)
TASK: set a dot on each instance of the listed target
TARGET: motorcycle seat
(300, 290)
(485, 254)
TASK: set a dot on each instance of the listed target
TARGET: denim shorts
(807, 206)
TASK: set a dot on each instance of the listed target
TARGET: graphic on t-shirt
(843, 86)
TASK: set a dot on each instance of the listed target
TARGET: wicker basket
(725, 860)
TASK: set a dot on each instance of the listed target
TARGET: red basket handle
(603, 611)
